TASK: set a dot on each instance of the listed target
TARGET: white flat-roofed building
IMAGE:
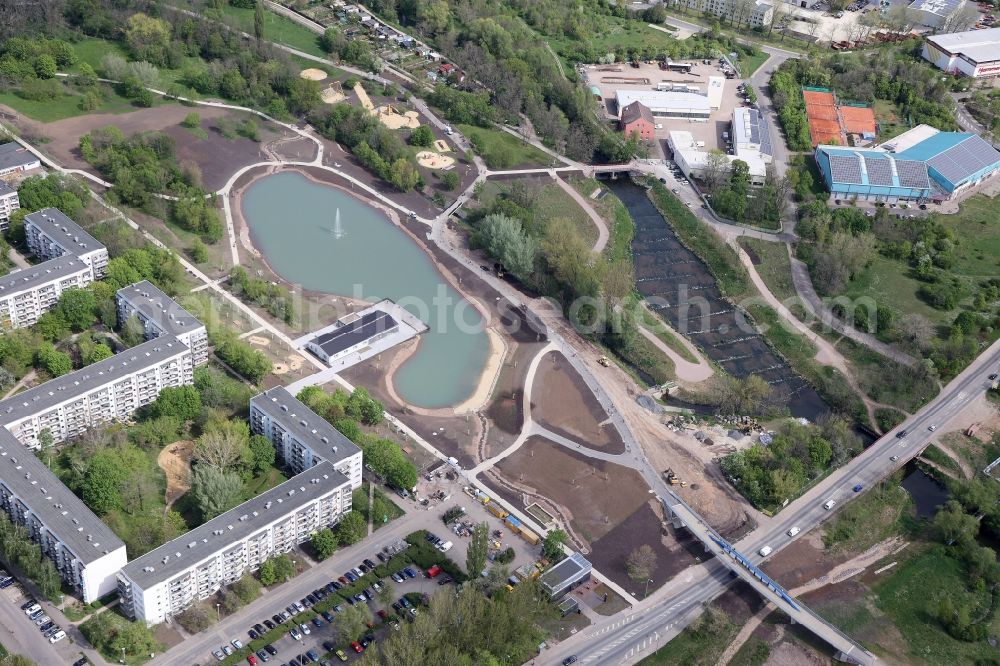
(945, 14)
(83, 549)
(667, 104)
(751, 135)
(168, 579)
(9, 202)
(162, 315)
(51, 234)
(974, 53)
(351, 334)
(692, 159)
(14, 158)
(301, 437)
(27, 294)
(109, 390)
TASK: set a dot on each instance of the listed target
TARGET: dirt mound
(313, 74)
(175, 461)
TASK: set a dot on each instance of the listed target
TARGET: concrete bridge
(682, 515)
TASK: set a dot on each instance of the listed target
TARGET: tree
(641, 563)
(98, 352)
(716, 168)
(422, 137)
(267, 573)
(246, 589)
(191, 120)
(196, 618)
(224, 445)
(506, 240)
(951, 524)
(258, 21)
(147, 38)
(386, 594)
(262, 454)
(181, 402)
(352, 528)
(45, 66)
(55, 362)
(102, 482)
(449, 180)
(352, 621)
(552, 545)
(133, 332)
(324, 544)
(479, 548)
(215, 490)
(45, 442)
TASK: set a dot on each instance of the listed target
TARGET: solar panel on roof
(879, 171)
(912, 174)
(845, 169)
(964, 159)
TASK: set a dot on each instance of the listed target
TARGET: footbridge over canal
(682, 515)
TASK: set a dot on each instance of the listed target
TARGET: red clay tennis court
(821, 111)
(858, 119)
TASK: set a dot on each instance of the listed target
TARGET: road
(657, 619)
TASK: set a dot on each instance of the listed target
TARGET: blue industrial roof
(934, 145)
(853, 166)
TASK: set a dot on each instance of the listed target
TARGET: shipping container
(497, 510)
(529, 536)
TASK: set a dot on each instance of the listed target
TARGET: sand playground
(175, 461)
(432, 160)
(293, 364)
(332, 94)
(396, 120)
(313, 74)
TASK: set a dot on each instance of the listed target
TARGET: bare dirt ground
(594, 495)
(175, 461)
(563, 403)
(216, 156)
(504, 415)
(674, 550)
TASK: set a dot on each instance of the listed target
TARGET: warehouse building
(15, 158)
(162, 315)
(83, 549)
(974, 53)
(694, 105)
(946, 14)
(693, 159)
(109, 390)
(301, 437)
(9, 202)
(51, 234)
(751, 135)
(922, 163)
(192, 567)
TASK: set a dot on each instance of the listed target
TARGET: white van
(446, 546)
(765, 551)
(829, 504)
(792, 532)
(58, 636)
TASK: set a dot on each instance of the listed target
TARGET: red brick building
(638, 118)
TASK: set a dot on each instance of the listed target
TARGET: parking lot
(625, 76)
(21, 632)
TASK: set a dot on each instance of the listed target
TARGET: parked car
(271, 650)
(252, 660)
(312, 654)
(305, 628)
(328, 616)
(228, 650)
(295, 633)
(219, 654)
(58, 636)
(254, 635)
(341, 656)
(263, 655)
(269, 624)
(357, 647)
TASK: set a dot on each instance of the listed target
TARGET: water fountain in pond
(338, 229)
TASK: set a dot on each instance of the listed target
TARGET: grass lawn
(889, 120)
(912, 594)
(750, 64)
(490, 141)
(773, 265)
(617, 33)
(266, 481)
(67, 105)
(976, 229)
(698, 645)
(888, 282)
(91, 50)
(657, 327)
(874, 516)
(553, 202)
(278, 29)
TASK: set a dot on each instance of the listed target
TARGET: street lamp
(646, 593)
(123, 654)
(218, 613)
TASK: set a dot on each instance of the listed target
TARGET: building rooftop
(174, 557)
(943, 8)
(979, 46)
(354, 331)
(563, 572)
(636, 111)
(658, 99)
(63, 513)
(153, 304)
(305, 425)
(872, 166)
(6, 189)
(64, 231)
(909, 138)
(39, 274)
(750, 128)
(954, 156)
(72, 386)
(13, 155)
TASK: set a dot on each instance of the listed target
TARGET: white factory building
(168, 579)
(974, 53)
(85, 551)
(302, 437)
(690, 103)
(939, 13)
(751, 143)
(162, 315)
